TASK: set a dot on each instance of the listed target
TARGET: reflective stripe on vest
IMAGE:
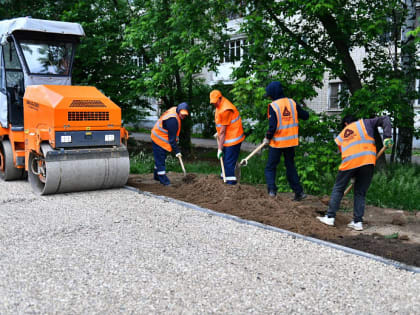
(286, 138)
(354, 156)
(234, 140)
(286, 135)
(234, 132)
(231, 122)
(360, 147)
(160, 135)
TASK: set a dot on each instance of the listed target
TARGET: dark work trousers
(160, 156)
(363, 176)
(274, 155)
(230, 157)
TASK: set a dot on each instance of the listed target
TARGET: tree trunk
(341, 44)
(394, 137)
(406, 128)
(381, 161)
(404, 144)
(185, 136)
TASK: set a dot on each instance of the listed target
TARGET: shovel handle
(377, 157)
(222, 165)
(182, 165)
(223, 170)
(257, 149)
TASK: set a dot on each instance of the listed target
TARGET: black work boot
(155, 175)
(300, 196)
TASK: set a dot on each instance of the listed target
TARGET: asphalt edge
(386, 261)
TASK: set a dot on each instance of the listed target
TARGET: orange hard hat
(214, 96)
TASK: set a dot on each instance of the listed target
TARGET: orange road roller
(64, 138)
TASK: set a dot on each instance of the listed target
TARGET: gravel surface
(117, 251)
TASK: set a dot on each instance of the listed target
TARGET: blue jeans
(363, 177)
(160, 169)
(230, 157)
(274, 155)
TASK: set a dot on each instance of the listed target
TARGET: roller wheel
(7, 170)
(37, 170)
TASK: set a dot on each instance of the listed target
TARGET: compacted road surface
(118, 251)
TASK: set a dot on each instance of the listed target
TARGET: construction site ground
(389, 233)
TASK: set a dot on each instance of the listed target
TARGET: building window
(235, 50)
(337, 92)
(138, 61)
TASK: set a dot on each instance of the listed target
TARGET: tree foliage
(297, 41)
(293, 41)
(176, 40)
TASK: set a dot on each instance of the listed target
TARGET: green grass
(200, 135)
(137, 129)
(414, 152)
(397, 186)
(143, 163)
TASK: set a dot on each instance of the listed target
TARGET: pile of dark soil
(252, 203)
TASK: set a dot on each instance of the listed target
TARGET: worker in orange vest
(282, 137)
(358, 153)
(229, 132)
(164, 136)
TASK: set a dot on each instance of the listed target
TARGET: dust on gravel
(252, 203)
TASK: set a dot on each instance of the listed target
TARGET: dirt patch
(393, 234)
(189, 178)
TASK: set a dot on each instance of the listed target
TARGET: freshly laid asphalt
(118, 251)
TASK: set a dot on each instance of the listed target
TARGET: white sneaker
(326, 220)
(358, 226)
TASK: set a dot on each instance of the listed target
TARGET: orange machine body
(17, 141)
(53, 111)
(68, 138)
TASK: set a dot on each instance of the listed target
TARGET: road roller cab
(65, 138)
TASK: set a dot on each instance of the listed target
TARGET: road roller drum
(59, 171)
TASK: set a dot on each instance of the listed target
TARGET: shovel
(244, 162)
(377, 157)
(222, 165)
(188, 178)
(182, 166)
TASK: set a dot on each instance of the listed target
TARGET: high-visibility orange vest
(287, 132)
(234, 131)
(357, 147)
(160, 135)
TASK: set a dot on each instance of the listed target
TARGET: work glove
(266, 141)
(388, 142)
(219, 154)
(178, 155)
